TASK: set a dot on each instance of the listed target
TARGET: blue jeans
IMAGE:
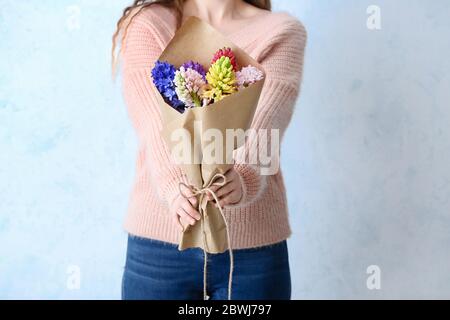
(157, 270)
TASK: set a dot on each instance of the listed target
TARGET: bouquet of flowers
(202, 88)
(191, 86)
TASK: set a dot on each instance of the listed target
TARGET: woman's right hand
(184, 210)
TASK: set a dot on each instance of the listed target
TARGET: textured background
(366, 158)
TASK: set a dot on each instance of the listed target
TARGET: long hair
(138, 5)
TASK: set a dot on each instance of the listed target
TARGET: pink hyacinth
(189, 86)
(247, 76)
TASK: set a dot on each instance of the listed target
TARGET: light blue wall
(366, 159)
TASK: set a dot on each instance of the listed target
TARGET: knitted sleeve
(141, 49)
(282, 58)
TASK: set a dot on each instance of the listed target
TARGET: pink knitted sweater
(277, 41)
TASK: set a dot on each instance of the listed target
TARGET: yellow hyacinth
(221, 80)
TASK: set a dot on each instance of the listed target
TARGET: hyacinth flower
(226, 52)
(163, 74)
(247, 76)
(189, 86)
(221, 80)
(195, 66)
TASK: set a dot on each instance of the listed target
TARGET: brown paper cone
(198, 41)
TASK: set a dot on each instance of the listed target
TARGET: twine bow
(203, 201)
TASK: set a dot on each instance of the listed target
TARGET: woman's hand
(184, 210)
(231, 193)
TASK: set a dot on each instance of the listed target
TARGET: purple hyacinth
(195, 66)
(163, 74)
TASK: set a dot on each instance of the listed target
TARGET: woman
(254, 204)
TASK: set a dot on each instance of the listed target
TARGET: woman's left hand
(231, 193)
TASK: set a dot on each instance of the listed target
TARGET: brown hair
(138, 5)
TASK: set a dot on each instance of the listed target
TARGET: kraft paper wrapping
(198, 41)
